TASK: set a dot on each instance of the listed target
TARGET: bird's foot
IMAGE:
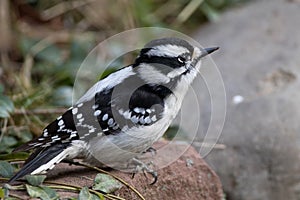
(145, 168)
(150, 150)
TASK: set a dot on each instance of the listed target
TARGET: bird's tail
(42, 160)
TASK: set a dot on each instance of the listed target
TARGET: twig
(3, 179)
(28, 62)
(4, 128)
(117, 178)
(15, 128)
(39, 111)
(26, 71)
(63, 7)
(16, 196)
(64, 186)
(210, 145)
(22, 110)
(188, 10)
(5, 26)
(56, 185)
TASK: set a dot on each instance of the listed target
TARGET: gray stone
(259, 59)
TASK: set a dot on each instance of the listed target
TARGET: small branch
(26, 71)
(16, 196)
(188, 10)
(56, 185)
(3, 129)
(39, 111)
(5, 26)
(3, 179)
(63, 7)
(117, 178)
(210, 145)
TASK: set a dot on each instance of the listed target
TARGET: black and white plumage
(122, 115)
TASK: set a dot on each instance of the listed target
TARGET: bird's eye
(181, 59)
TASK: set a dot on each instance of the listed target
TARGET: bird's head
(167, 60)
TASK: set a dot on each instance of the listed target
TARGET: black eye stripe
(181, 59)
(168, 61)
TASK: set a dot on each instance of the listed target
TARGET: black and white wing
(112, 105)
(67, 135)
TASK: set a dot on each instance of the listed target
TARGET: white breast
(117, 150)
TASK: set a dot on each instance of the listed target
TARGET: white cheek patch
(167, 50)
(151, 75)
(176, 72)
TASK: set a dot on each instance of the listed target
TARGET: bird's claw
(151, 150)
(142, 167)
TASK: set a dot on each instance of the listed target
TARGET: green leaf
(79, 48)
(3, 113)
(6, 106)
(171, 132)
(50, 53)
(106, 183)
(1, 88)
(5, 192)
(43, 192)
(25, 136)
(14, 156)
(86, 195)
(25, 44)
(9, 141)
(6, 169)
(63, 96)
(210, 12)
(2, 193)
(35, 180)
(107, 72)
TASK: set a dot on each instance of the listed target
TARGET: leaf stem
(117, 178)
(56, 185)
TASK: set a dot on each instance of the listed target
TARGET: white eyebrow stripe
(167, 50)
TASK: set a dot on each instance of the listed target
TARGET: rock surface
(260, 65)
(189, 177)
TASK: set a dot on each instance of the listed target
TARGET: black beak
(209, 50)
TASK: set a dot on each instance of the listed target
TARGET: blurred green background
(43, 43)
